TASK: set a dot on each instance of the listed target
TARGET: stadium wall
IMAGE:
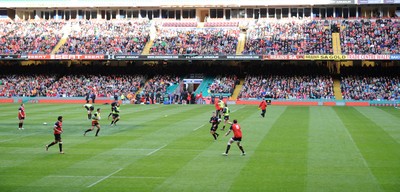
(70, 100)
(81, 100)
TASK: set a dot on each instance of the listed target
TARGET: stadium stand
(370, 36)
(288, 37)
(200, 41)
(107, 37)
(37, 36)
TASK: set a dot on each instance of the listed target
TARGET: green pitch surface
(169, 148)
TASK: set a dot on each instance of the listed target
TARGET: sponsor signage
(197, 57)
(347, 57)
(183, 57)
(245, 57)
(368, 57)
(342, 2)
(193, 81)
(11, 57)
(370, 1)
(325, 57)
(283, 57)
(65, 57)
(395, 57)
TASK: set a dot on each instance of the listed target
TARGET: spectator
(288, 37)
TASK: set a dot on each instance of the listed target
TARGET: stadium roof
(176, 3)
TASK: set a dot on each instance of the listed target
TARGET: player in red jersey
(237, 136)
(57, 135)
(95, 123)
(217, 109)
(263, 107)
(21, 116)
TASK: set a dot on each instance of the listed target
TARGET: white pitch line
(199, 127)
(30, 134)
(237, 109)
(105, 177)
(74, 176)
(156, 150)
(136, 177)
(116, 177)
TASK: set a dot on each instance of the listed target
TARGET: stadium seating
(29, 36)
(287, 87)
(288, 37)
(217, 37)
(370, 88)
(370, 36)
(201, 41)
(107, 37)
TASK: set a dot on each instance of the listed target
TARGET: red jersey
(237, 132)
(58, 127)
(217, 106)
(263, 105)
(21, 112)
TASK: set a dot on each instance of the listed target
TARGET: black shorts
(21, 118)
(214, 128)
(237, 139)
(226, 117)
(57, 137)
(115, 115)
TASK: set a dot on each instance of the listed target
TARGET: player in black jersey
(90, 108)
(113, 104)
(214, 120)
(115, 115)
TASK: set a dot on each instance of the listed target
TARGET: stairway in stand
(337, 90)
(66, 31)
(149, 44)
(237, 90)
(241, 43)
(336, 44)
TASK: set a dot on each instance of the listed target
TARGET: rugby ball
(44, 123)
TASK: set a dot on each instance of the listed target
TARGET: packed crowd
(370, 88)
(287, 87)
(156, 88)
(106, 37)
(103, 86)
(30, 36)
(69, 85)
(160, 83)
(25, 85)
(223, 84)
(380, 36)
(289, 37)
(202, 41)
(271, 37)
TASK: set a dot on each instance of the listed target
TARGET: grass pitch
(169, 148)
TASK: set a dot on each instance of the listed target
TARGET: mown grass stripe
(391, 110)
(147, 140)
(334, 161)
(380, 151)
(207, 168)
(279, 160)
(388, 122)
(80, 149)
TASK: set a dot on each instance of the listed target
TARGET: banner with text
(65, 57)
(197, 57)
